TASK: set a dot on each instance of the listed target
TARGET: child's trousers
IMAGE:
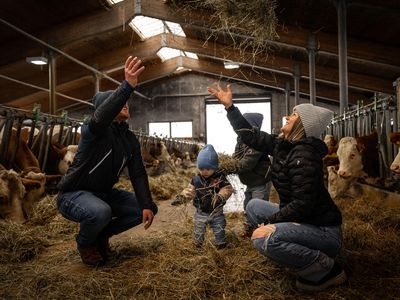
(217, 223)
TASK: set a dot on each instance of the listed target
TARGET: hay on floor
(39, 260)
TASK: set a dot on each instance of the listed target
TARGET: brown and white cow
(26, 164)
(12, 193)
(358, 157)
(331, 143)
(58, 158)
(68, 154)
(395, 139)
(340, 187)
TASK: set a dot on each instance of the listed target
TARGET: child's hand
(189, 192)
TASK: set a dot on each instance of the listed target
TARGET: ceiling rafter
(148, 48)
(371, 67)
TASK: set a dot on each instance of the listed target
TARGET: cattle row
(354, 158)
(35, 153)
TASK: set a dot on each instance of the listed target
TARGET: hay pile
(165, 186)
(39, 260)
(250, 25)
(228, 164)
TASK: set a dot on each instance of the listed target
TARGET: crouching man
(86, 192)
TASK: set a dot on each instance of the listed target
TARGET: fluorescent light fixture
(166, 53)
(231, 65)
(112, 2)
(37, 60)
(181, 69)
(147, 27)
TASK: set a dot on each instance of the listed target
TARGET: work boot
(336, 276)
(103, 245)
(247, 230)
(91, 256)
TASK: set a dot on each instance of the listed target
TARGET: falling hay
(250, 25)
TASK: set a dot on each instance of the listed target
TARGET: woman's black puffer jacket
(297, 175)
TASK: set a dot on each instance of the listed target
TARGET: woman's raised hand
(224, 96)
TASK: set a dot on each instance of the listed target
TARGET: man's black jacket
(105, 148)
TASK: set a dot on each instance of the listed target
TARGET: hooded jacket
(297, 174)
(254, 166)
(105, 148)
(208, 188)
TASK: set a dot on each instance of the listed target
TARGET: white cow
(68, 158)
(329, 140)
(395, 139)
(350, 159)
(340, 187)
(395, 166)
(337, 186)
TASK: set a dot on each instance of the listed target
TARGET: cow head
(350, 160)
(67, 159)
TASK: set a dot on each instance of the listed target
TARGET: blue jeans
(101, 215)
(259, 192)
(308, 249)
(217, 223)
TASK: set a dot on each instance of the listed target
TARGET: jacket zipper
(95, 167)
(123, 163)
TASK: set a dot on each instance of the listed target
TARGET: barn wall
(192, 108)
(178, 108)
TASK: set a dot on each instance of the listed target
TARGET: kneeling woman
(304, 231)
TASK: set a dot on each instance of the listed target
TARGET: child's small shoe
(179, 199)
(221, 246)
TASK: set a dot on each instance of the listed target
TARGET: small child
(209, 190)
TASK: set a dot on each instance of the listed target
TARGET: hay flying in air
(250, 25)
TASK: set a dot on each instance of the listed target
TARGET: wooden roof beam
(289, 36)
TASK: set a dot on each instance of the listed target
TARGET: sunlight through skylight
(147, 27)
(166, 53)
(112, 2)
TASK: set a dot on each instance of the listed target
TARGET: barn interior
(333, 54)
(338, 54)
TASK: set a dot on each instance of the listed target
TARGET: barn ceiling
(98, 35)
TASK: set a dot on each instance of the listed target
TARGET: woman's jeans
(101, 215)
(309, 249)
(217, 223)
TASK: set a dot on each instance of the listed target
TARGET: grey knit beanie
(314, 118)
(254, 119)
(100, 97)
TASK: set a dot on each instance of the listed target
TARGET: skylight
(112, 2)
(166, 53)
(147, 27)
